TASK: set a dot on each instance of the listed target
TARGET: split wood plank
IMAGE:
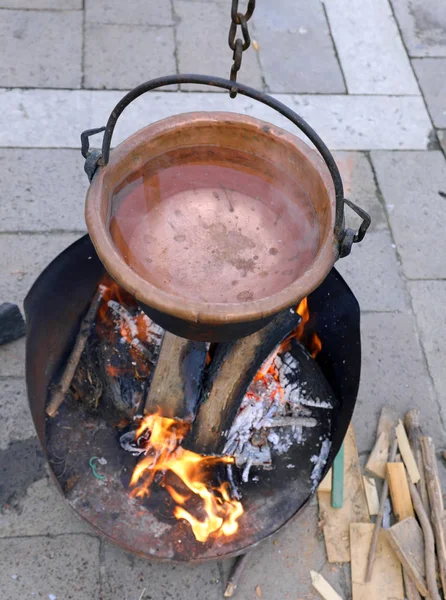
(387, 578)
(399, 491)
(336, 521)
(410, 588)
(376, 464)
(322, 586)
(406, 539)
(414, 431)
(337, 492)
(371, 494)
(406, 453)
(436, 504)
(326, 483)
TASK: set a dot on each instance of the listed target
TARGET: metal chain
(239, 45)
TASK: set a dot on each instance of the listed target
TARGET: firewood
(12, 325)
(337, 492)
(406, 539)
(236, 572)
(232, 370)
(322, 586)
(175, 388)
(387, 581)
(412, 423)
(429, 542)
(410, 588)
(406, 453)
(371, 494)
(327, 482)
(436, 504)
(399, 491)
(376, 464)
(60, 390)
(379, 519)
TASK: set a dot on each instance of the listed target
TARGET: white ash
(319, 463)
(273, 416)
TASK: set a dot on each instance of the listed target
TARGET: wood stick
(337, 491)
(436, 503)
(412, 423)
(236, 572)
(322, 586)
(399, 491)
(175, 388)
(376, 464)
(429, 542)
(406, 453)
(60, 390)
(379, 518)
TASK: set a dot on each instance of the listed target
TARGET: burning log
(60, 390)
(176, 383)
(232, 370)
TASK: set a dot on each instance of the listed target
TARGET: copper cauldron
(216, 221)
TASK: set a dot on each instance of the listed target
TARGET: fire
(163, 453)
(314, 344)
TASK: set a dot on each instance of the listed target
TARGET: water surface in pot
(214, 224)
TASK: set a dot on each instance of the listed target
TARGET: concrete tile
(410, 183)
(38, 509)
(296, 50)
(23, 257)
(123, 56)
(423, 25)
(40, 567)
(431, 73)
(373, 273)
(429, 302)
(360, 186)
(51, 119)
(137, 12)
(125, 576)
(42, 4)
(393, 372)
(202, 44)
(12, 358)
(32, 55)
(370, 49)
(45, 190)
(15, 416)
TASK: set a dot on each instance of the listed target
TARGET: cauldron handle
(345, 237)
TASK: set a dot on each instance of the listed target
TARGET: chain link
(237, 44)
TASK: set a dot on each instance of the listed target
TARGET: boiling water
(202, 224)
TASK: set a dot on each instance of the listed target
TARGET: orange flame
(164, 454)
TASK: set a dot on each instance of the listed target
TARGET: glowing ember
(161, 439)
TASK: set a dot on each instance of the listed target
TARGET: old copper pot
(233, 219)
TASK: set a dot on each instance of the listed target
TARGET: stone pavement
(370, 77)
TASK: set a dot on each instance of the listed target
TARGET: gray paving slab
(431, 73)
(123, 56)
(41, 567)
(295, 47)
(393, 372)
(137, 12)
(32, 52)
(429, 303)
(23, 257)
(51, 119)
(45, 189)
(410, 183)
(423, 25)
(42, 4)
(202, 43)
(12, 359)
(373, 273)
(360, 187)
(16, 420)
(37, 508)
(125, 576)
(370, 49)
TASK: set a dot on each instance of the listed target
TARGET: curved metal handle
(102, 160)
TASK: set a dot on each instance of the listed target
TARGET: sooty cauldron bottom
(54, 308)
